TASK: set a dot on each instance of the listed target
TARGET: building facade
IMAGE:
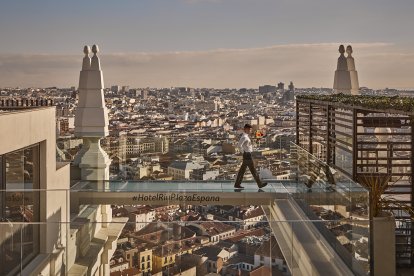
(28, 161)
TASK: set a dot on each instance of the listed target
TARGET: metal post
(297, 122)
(310, 128)
(354, 143)
(328, 127)
(412, 190)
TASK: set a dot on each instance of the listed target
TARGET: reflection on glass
(199, 247)
(338, 205)
(20, 171)
(343, 159)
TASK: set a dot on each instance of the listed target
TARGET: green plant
(373, 102)
(380, 203)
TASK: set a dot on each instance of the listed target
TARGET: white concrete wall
(31, 126)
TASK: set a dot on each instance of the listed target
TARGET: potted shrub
(382, 221)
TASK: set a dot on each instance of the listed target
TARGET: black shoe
(238, 187)
(263, 185)
(260, 191)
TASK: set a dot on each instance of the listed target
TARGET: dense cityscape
(185, 134)
(207, 138)
(189, 134)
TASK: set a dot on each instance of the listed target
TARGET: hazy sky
(206, 43)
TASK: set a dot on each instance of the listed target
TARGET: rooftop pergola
(364, 135)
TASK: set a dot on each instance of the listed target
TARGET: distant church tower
(91, 120)
(346, 77)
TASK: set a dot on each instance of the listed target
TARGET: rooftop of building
(271, 249)
(215, 227)
(4, 110)
(393, 104)
(241, 258)
(126, 272)
(211, 252)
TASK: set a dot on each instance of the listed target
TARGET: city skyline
(378, 64)
(207, 43)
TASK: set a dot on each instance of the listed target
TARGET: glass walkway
(293, 211)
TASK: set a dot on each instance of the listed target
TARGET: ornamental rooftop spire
(346, 77)
(91, 119)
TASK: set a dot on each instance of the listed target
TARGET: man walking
(245, 146)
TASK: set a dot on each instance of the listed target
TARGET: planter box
(383, 249)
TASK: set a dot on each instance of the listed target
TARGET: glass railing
(317, 221)
(305, 241)
(197, 247)
(330, 195)
(28, 218)
(216, 186)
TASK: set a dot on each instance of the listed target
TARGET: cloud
(379, 65)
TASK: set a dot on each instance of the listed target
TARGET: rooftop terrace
(395, 104)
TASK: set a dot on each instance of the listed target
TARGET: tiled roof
(211, 252)
(271, 249)
(215, 228)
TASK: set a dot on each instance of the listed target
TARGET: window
(19, 173)
(142, 266)
(142, 259)
(148, 258)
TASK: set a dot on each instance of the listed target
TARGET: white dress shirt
(245, 145)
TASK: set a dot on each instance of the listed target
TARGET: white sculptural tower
(91, 119)
(353, 74)
(346, 77)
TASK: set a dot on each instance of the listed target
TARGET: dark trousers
(247, 162)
